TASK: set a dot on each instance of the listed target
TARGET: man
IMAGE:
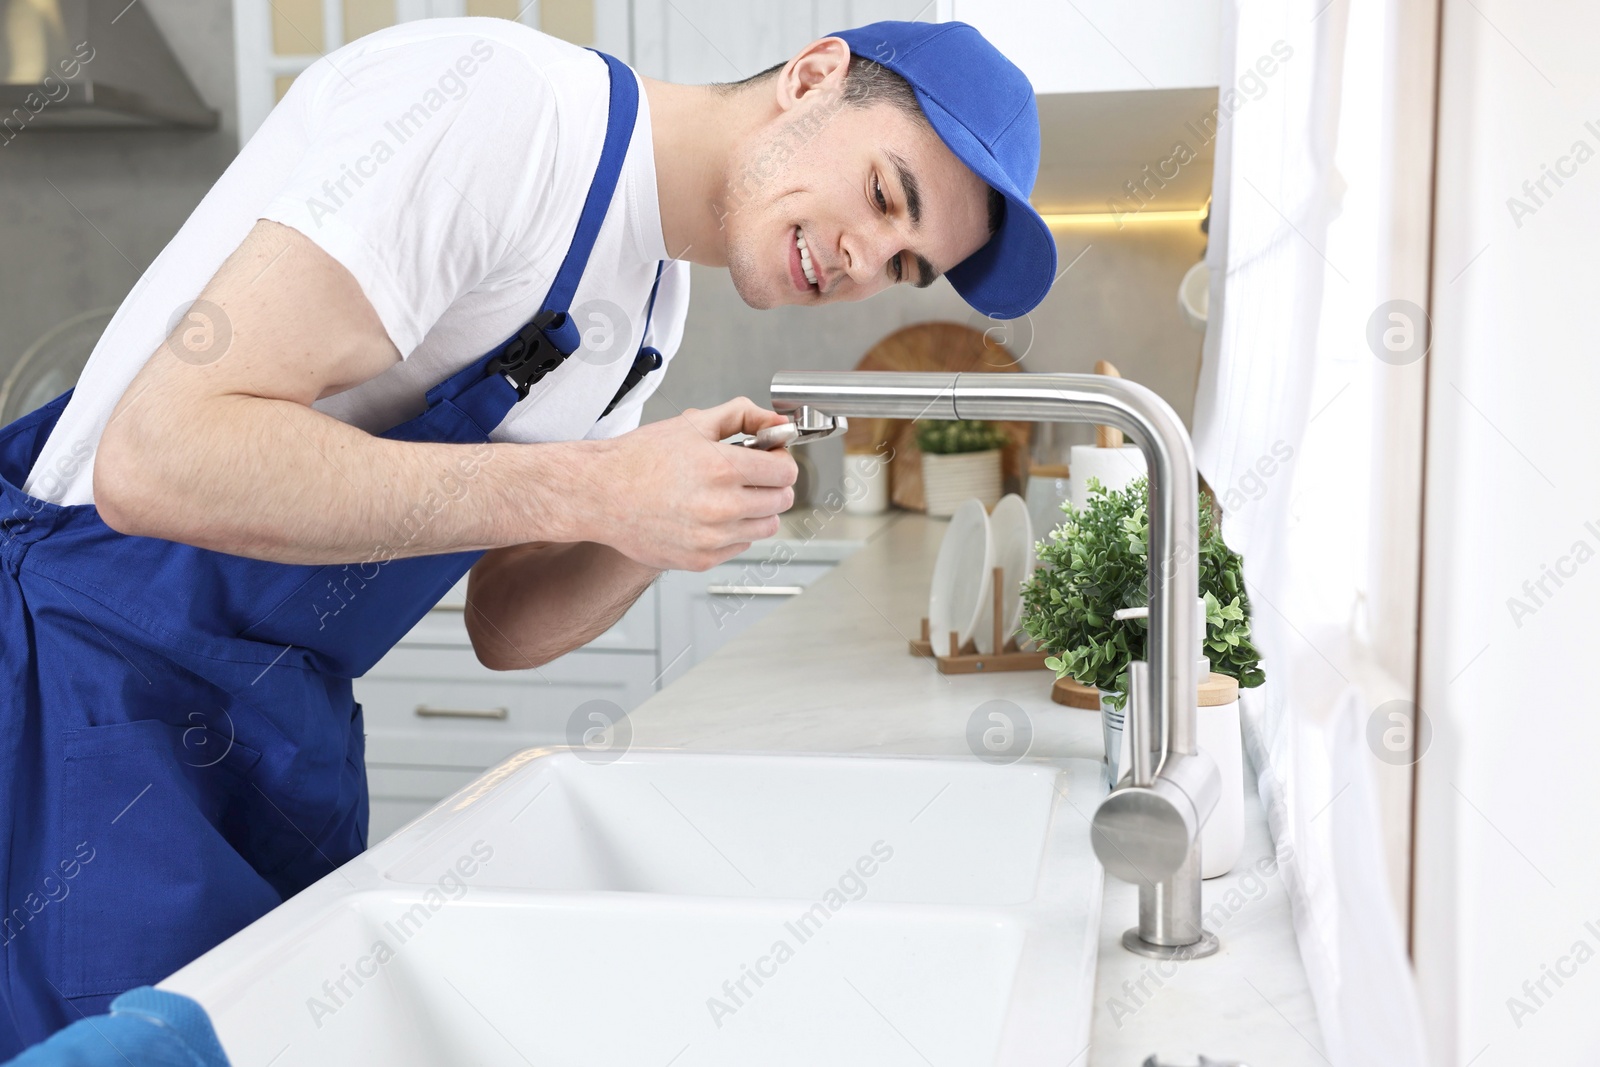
(350, 402)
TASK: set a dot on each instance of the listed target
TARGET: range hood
(90, 63)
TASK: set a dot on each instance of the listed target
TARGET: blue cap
(983, 108)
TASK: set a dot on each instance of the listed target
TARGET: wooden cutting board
(934, 347)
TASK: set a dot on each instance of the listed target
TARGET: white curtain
(1289, 405)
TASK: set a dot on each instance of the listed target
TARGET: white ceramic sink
(670, 908)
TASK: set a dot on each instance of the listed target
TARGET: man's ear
(820, 67)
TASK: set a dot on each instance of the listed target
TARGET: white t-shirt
(444, 163)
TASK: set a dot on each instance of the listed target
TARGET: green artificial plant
(1095, 563)
(947, 438)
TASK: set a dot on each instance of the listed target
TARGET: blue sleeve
(146, 1027)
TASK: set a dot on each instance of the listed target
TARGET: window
(274, 40)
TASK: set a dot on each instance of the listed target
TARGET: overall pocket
(164, 884)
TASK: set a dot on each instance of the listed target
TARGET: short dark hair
(867, 83)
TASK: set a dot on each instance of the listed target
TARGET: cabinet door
(695, 42)
(1092, 46)
(399, 794)
(835, 15)
(274, 40)
(423, 708)
(702, 612)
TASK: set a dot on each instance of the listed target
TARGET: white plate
(1011, 540)
(961, 578)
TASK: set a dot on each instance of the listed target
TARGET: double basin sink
(668, 908)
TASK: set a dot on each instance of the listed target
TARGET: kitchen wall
(85, 212)
(1117, 300)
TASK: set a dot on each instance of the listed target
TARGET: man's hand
(670, 496)
(664, 496)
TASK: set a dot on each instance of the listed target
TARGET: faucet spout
(1184, 785)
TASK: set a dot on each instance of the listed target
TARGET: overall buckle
(531, 354)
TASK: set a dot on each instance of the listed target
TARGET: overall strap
(487, 390)
(624, 109)
(648, 359)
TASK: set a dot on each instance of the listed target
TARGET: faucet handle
(1146, 830)
(1122, 614)
(1203, 661)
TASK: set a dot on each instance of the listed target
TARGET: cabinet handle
(459, 608)
(755, 590)
(426, 712)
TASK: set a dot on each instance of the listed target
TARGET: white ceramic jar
(1217, 734)
(866, 483)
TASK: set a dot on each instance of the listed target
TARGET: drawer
(424, 706)
(400, 793)
(702, 612)
(446, 625)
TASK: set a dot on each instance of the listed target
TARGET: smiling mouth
(806, 267)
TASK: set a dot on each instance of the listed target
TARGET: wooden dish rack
(966, 659)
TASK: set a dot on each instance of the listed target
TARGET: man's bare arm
(528, 604)
(228, 453)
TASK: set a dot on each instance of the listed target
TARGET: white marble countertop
(830, 672)
(816, 535)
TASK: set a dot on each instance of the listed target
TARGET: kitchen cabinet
(438, 707)
(399, 794)
(701, 41)
(436, 718)
(274, 40)
(1084, 46)
(702, 612)
(1096, 46)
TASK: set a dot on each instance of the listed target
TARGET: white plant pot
(948, 481)
(1222, 838)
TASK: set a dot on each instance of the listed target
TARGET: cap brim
(1010, 275)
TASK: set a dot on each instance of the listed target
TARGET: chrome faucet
(1147, 831)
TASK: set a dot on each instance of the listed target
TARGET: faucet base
(1206, 946)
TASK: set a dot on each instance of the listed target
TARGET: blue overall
(181, 751)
